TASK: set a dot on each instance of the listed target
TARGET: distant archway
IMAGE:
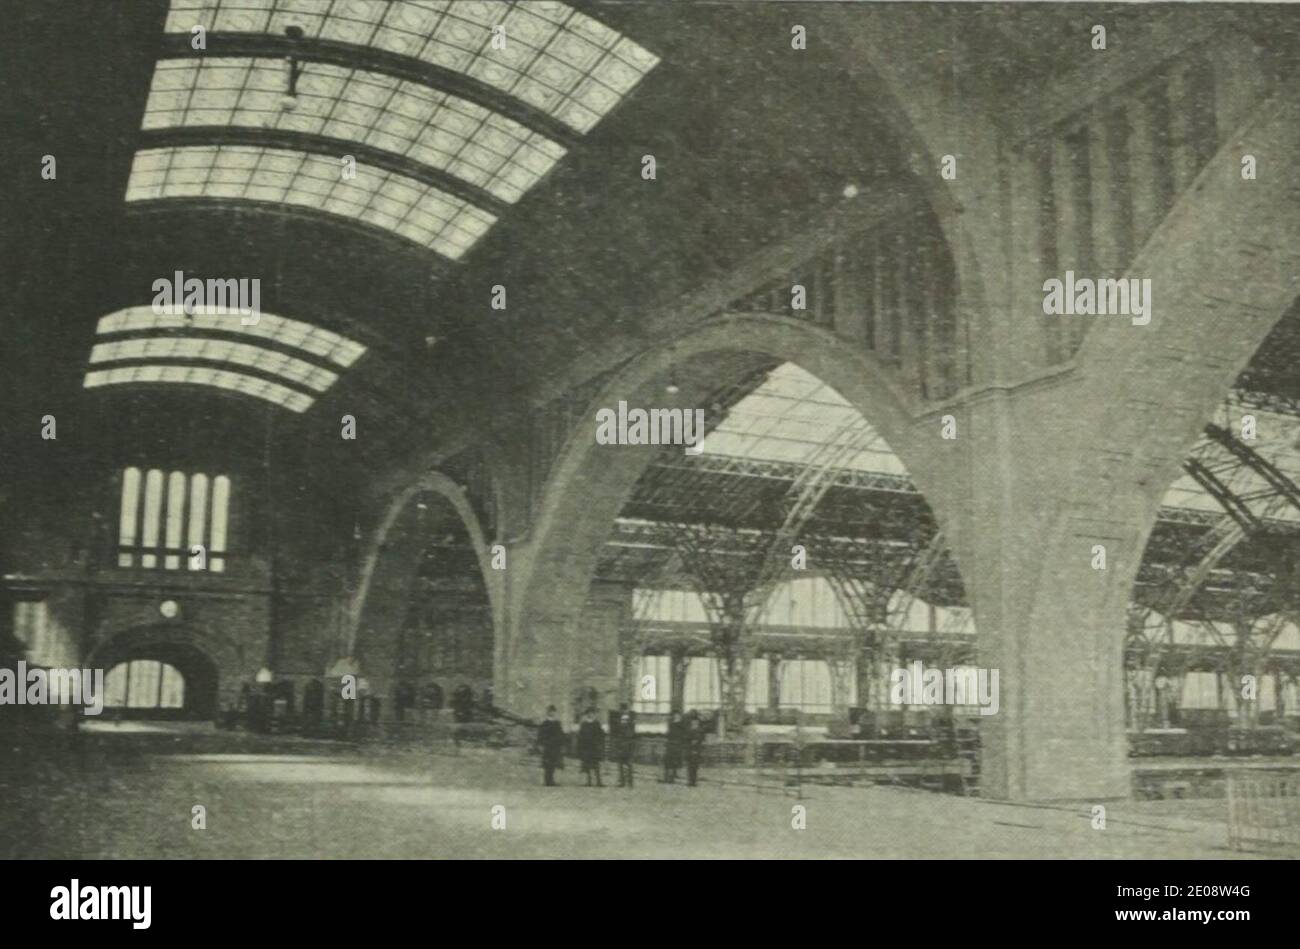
(454, 496)
(204, 667)
(590, 482)
(425, 610)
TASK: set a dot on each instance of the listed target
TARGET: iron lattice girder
(1205, 657)
(1270, 381)
(663, 637)
(860, 504)
(734, 571)
(680, 487)
(1203, 586)
(739, 492)
(1248, 647)
(866, 593)
(1218, 465)
(1279, 482)
(805, 493)
(639, 550)
(1235, 507)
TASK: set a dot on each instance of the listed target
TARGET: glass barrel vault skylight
(202, 376)
(276, 359)
(558, 65)
(385, 199)
(436, 129)
(555, 59)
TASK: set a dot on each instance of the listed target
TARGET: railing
(1263, 809)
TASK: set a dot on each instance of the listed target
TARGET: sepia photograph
(655, 430)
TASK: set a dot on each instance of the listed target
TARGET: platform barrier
(1264, 810)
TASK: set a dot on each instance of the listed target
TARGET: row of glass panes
(152, 517)
(788, 417)
(554, 58)
(436, 129)
(278, 329)
(202, 376)
(810, 602)
(805, 684)
(417, 211)
(166, 349)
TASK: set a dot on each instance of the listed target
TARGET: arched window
(175, 510)
(152, 515)
(220, 503)
(130, 512)
(144, 684)
(198, 514)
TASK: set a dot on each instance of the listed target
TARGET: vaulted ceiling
(523, 170)
(471, 173)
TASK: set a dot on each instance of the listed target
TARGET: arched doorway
(206, 668)
(165, 681)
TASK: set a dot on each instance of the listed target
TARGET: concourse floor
(282, 797)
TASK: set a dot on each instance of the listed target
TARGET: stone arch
(589, 483)
(437, 483)
(212, 663)
(391, 663)
(1140, 396)
(1225, 272)
(1102, 444)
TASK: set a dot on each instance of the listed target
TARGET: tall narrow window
(172, 519)
(198, 517)
(152, 514)
(220, 503)
(130, 511)
(175, 511)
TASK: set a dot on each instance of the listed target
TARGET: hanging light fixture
(289, 101)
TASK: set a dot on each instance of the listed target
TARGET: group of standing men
(685, 743)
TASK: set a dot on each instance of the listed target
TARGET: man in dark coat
(623, 732)
(462, 703)
(550, 740)
(673, 749)
(693, 739)
(591, 746)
